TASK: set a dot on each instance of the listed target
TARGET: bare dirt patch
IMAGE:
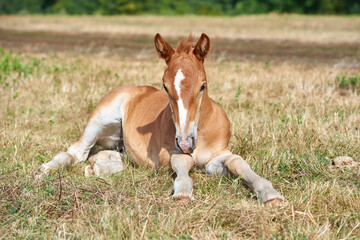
(141, 46)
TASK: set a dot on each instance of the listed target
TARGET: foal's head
(184, 81)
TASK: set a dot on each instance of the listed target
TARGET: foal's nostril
(177, 142)
(187, 145)
(193, 141)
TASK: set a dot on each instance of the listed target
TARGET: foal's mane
(185, 46)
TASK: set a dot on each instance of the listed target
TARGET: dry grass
(289, 119)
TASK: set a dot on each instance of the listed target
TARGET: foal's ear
(164, 49)
(202, 47)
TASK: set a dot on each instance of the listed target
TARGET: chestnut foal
(179, 125)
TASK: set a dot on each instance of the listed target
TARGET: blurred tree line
(179, 7)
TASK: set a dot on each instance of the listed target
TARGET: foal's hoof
(89, 171)
(274, 202)
(182, 198)
(40, 172)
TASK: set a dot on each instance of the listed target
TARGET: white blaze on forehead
(182, 111)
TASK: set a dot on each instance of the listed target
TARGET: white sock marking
(182, 111)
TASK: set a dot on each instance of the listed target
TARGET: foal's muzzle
(186, 144)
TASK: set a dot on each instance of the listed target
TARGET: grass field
(290, 85)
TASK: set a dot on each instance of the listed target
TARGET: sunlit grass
(289, 120)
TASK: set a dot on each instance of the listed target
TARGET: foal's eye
(202, 87)
(165, 88)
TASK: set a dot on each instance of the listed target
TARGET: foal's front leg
(260, 186)
(181, 164)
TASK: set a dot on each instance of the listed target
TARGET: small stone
(345, 161)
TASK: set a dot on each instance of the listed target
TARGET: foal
(179, 125)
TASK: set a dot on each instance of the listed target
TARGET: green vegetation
(349, 82)
(169, 7)
(10, 62)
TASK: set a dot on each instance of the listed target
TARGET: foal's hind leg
(104, 127)
(228, 162)
(79, 151)
(61, 160)
(104, 163)
(260, 186)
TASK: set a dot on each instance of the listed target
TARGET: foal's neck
(206, 110)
